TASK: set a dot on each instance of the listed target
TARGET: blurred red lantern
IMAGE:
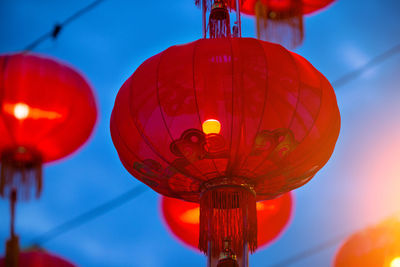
(278, 21)
(38, 258)
(375, 246)
(47, 111)
(182, 219)
(225, 122)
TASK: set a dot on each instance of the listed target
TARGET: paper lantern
(378, 245)
(47, 111)
(278, 124)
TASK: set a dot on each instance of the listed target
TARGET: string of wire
(137, 191)
(59, 26)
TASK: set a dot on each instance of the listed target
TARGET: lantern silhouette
(182, 219)
(375, 246)
(47, 111)
(279, 21)
(38, 258)
(277, 121)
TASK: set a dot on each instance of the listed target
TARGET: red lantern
(47, 111)
(38, 258)
(225, 122)
(376, 246)
(182, 219)
(278, 21)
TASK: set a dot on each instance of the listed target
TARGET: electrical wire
(345, 79)
(89, 215)
(59, 26)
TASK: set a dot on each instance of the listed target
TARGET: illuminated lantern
(47, 111)
(375, 246)
(278, 21)
(182, 219)
(38, 258)
(277, 125)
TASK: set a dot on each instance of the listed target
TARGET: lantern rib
(195, 95)
(297, 102)
(228, 166)
(164, 121)
(263, 108)
(298, 89)
(148, 143)
(132, 152)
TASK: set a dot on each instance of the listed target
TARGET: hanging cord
(348, 77)
(59, 26)
(12, 244)
(89, 215)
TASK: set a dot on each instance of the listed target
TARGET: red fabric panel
(279, 118)
(55, 103)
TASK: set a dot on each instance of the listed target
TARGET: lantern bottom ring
(225, 182)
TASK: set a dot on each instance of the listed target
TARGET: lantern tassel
(20, 170)
(228, 213)
(284, 27)
(219, 22)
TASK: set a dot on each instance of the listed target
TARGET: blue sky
(358, 186)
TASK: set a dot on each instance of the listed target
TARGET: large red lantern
(225, 122)
(375, 246)
(47, 111)
(182, 219)
(38, 258)
(278, 21)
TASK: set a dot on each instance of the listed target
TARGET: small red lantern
(275, 122)
(182, 219)
(38, 258)
(47, 111)
(375, 246)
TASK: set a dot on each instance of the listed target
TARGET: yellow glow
(265, 206)
(22, 111)
(211, 126)
(191, 216)
(395, 262)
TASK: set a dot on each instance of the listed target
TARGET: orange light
(191, 216)
(211, 126)
(265, 206)
(22, 111)
(395, 262)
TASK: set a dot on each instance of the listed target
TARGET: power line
(89, 215)
(309, 252)
(59, 26)
(371, 63)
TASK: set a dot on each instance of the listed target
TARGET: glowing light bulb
(395, 262)
(191, 216)
(211, 126)
(21, 111)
